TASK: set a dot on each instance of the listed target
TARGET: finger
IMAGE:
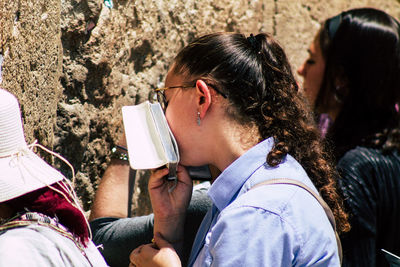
(161, 242)
(158, 173)
(132, 259)
(156, 178)
(181, 169)
(139, 249)
(183, 175)
(148, 251)
(134, 254)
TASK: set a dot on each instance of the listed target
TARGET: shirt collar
(229, 182)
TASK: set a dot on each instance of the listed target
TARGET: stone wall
(74, 63)
(31, 50)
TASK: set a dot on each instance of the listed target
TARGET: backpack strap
(325, 206)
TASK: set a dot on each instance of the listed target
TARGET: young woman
(352, 78)
(232, 102)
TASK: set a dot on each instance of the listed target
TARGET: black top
(371, 188)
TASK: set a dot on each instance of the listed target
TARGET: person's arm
(111, 198)
(170, 206)
(119, 236)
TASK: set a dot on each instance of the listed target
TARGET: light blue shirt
(272, 225)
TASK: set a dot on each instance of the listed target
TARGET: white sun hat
(21, 170)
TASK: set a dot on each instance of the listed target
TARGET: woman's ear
(341, 88)
(203, 97)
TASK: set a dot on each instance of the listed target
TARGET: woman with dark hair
(352, 78)
(232, 102)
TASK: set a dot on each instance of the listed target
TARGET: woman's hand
(169, 207)
(161, 254)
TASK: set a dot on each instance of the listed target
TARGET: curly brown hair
(257, 79)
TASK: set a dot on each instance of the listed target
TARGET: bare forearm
(111, 198)
(172, 231)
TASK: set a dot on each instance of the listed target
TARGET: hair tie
(254, 43)
(333, 25)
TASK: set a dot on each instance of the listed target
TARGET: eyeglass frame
(163, 101)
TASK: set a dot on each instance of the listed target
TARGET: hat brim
(23, 173)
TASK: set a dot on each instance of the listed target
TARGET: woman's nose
(301, 70)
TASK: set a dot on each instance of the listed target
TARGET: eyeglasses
(160, 95)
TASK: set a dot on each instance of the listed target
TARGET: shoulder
(280, 216)
(360, 157)
(37, 245)
(280, 199)
(368, 177)
(368, 163)
(359, 153)
(28, 234)
(290, 206)
(23, 246)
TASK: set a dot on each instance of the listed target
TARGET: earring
(198, 118)
(338, 94)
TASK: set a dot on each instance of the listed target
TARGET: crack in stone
(274, 23)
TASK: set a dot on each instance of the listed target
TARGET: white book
(150, 141)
